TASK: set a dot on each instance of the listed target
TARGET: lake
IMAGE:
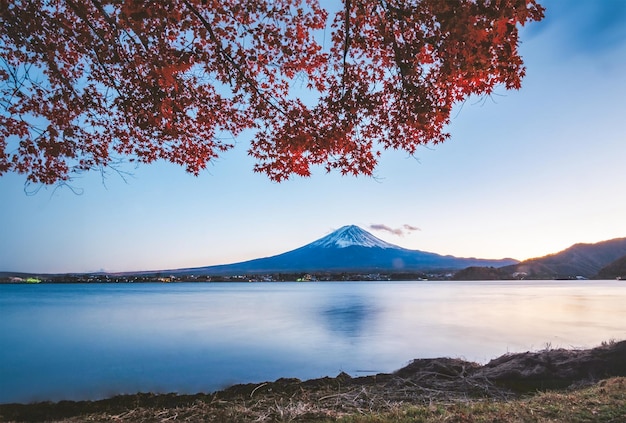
(91, 341)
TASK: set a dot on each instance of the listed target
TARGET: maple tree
(85, 81)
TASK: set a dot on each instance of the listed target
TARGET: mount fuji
(348, 249)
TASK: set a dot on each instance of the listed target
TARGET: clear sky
(525, 173)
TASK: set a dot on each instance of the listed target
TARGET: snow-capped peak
(350, 235)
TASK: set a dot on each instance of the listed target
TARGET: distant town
(465, 274)
(166, 278)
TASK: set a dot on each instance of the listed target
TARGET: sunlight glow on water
(94, 341)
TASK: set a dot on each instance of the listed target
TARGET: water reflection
(349, 317)
(94, 341)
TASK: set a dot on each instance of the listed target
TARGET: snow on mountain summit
(350, 235)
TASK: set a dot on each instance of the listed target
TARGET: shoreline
(420, 383)
(8, 278)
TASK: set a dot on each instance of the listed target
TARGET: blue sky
(524, 174)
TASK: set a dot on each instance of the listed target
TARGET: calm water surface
(89, 341)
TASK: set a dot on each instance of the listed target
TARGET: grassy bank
(604, 401)
(545, 386)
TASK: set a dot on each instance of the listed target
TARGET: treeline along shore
(270, 277)
(471, 274)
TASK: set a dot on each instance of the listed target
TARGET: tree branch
(218, 45)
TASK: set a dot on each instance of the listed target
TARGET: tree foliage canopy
(85, 81)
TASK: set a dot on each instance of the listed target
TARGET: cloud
(405, 229)
(410, 228)
(381, 227)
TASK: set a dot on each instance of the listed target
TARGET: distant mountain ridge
(351, 249)
(586, 260)
(348, 249)
(614, 270)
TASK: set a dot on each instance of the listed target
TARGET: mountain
(615, 269)
(348, 249)
(578, 260)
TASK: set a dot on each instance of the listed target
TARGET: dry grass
(510, 388)
(602, 402)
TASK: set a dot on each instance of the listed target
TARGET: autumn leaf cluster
(85, 81)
